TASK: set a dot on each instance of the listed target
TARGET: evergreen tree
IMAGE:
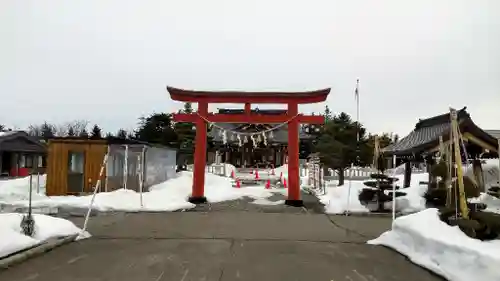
(337, 144)
(96, 132)
(157, 128)
(328, 114)
(396, 138)
(71, 132)
(121, 134)
(47, 131)
(185, 132)
(188, 108)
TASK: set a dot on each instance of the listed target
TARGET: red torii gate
(292, 116)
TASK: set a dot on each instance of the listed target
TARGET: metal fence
(131, 165)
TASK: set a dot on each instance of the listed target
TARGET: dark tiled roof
(426, 134)
(494, 133)
(30, 143)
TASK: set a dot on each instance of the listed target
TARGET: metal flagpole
(394, 190)
(356, 96)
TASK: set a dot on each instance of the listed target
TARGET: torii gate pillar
(292, 117)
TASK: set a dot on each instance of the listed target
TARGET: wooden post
(200, 159)
(464, 209)
(293, 157)
(407, 177)
(477, 170)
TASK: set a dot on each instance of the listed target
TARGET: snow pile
(336, 197)
(492, 203)
(13, 240)
(445, 250)
(171, 195)
(19, 188)
(491, 172)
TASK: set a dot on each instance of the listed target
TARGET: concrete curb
(49, 245)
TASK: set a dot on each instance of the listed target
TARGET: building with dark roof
(274, 153)
(423, 142)
(424, 139)
(20, 154)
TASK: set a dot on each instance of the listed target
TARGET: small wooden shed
(74, 164)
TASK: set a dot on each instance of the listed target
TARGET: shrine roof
(248, 96)
(494, 133)
(427, 132)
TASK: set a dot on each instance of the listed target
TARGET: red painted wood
(249, 119)
(293, 154)
(200, 157)
(247, 97)
(248, 108)
(293, 99)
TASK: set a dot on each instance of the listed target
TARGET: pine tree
(121, 134)
(185, 132)
(188, 108)
(96, 132)
(157, 128)
(337, 145)
(71, 132)
(328, 114)
(47, 130)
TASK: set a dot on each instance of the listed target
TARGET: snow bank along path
(171, 195)
(12, 240)
(445, 250)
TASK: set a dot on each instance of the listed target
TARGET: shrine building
(268, 149)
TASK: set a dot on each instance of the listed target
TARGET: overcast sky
(110, 61)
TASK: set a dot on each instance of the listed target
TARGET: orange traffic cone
(256, 174)
(268, 184)
(232, 174)
(284, 183)
(238, 184)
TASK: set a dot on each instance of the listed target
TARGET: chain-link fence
(130, 164)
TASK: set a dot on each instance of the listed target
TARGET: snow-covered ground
(336, 197)
(446, 250)
(13, 240)
(168, 196)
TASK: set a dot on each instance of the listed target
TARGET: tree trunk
(341, 176)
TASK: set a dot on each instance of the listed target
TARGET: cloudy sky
(109, 61)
